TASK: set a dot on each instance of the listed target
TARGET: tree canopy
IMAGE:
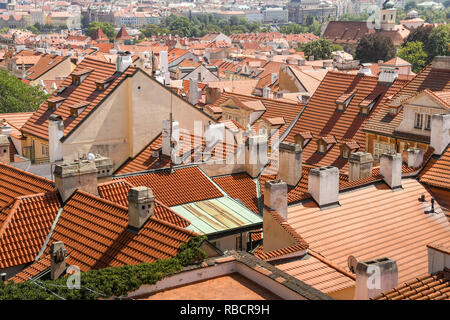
(320, 49)
(373, 47)
(413, 53)
(17, 96)
(107, 28)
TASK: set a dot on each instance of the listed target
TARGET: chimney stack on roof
(323, 186)
(391, 169)
(4, 150)
(413, 157)
(77, 175)
(5, 129)
(365, 69)
(387, 75)
(275, 196)
(290, 163)
(440, 132)
(170, 143)
(55, 133)
(124, 60)
(360, 165)
(438, 258)
(57, 259)
(266, 92)
(375, 277)
(141, 206)
(256, 154)
(441, 63)
(193, 91)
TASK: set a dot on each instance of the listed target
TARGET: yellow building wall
(62, 70)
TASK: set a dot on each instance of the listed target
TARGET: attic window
(78, 108)
(103, 84)
(303, 138)
(54, 102)
(347, 148)
(79, 76)
(344, 100)
(367, 104)
(325, 143)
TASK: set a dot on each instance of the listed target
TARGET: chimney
(387, 75)
(290, 163)
(375, 277)
(256, 154)
(266, 92)
(163, 62)
(212, 94)
(440, 132)
(81, 175)
(441, 63)
(141, 206)
(301, 62)
(438, 258)
(123, 61)
(104, 167)
(273, 77)
(4, 150)
(55, 133)
(413, 157)
(391, 169)
(5, 129)
(365, 69)
(170, 143)
(57, 259)
(360, 165)
(193, 91)
(323, 185)
(275, 196)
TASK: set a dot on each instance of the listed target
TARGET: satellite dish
(90, 156)
(351, 263)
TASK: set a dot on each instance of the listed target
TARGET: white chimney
(5, 129)
(391, 169)
(414, 157)
(290, 163)
(438, 258)
(323, 186)
(168, 144)
(55, 133)
(360, 165)
(4, 149)
(163, 62)
(193, 91)
(387, 75)
(141, 206)
(256, 154)
(275, 196)
(365, 69)
(124, 60)
(440, 132)
(375, 277)
(266, 92)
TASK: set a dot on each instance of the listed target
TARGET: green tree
(17, 96)
(437, 44)
(410, 5)
(320, 49)
(4, 30)
(107, 28)
(33, 29)
(414, 53)
(421, 34)
(373, 47)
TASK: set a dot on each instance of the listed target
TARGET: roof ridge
(338, 268)
(12, 211)
(94, 197)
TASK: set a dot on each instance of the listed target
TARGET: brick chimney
(81, 175)
(141, 206)
(323, 185)
(57, 259)
(256, 154)
(4, 150)
(374, 277)
(391, 169)
(360, 165)
(438, 258)
(275, 196)
(290, 163)
(440, 132)
(55, 133)
(413, 157)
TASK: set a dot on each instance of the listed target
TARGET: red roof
(99, 35)
(437, 172)
(123, 34)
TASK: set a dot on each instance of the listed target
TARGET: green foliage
(410, 5)
(437, 44)
(320, 49)
(4, 30)
(107, 282)
(33, 29)
(351, 17)
(17, 96)
(414, 53)
(373, 47)
(107, 28)
(311, 25)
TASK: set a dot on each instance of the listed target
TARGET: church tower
(387, 15)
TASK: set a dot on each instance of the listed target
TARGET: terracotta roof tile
(33, 270)
(437, 172)
(45, 64)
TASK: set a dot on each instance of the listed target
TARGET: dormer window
(103, 84)
(78, 76)
(347, 148)
(54, 102)
(303, 138)
(367, 104)
(344, 100)
(325, 143)
(78, 108)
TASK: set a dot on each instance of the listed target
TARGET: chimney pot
(4, 150)
(290, 163)
(323, 185)
(80, 175)
(275, 196)
(374, 277)
(391, 169)
(141, 206)
(360, 165)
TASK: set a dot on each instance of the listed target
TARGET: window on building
(380, 148)
(428, 122)
(345, 153)
(418, 121)
(44, 150)
(321, 148)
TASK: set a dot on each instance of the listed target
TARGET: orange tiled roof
(94, 231)
(437, 172)
(15, 121)
(117, 191)
(123, 34)
(99, 35)
(33, 270)
(172, 188)
(24, 225)
(45, 64)
(385, 123)
(38, 124)
(374, 222)
(424, 287)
